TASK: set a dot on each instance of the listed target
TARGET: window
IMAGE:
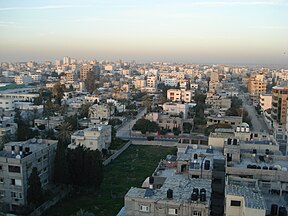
(144, 208)
(2, 193)
(14, 169)
(172, 211)
(13, 194)
(39, 160)
(1, 167)
(235, 203)
(12, 181)
(1, 180)
(197, 213)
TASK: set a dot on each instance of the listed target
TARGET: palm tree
(65, 132)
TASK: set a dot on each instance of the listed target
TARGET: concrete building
(19, 96)
(279, 105)
(151, 82)
(101, 112)
(176, 109)
(23, 79)
(234, 121)
(17, 160)
(96, 137)
(179, 95)
(7, 104)
(218, 102)
(256, 86)
(265, 101)
(139, 83)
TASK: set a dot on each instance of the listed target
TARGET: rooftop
(252, 197)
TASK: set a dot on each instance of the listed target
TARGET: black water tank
(254, 151)
(274, 210)
(207, 165)
(194, 196)
(282, 211)
(196, 190)
(170, 194)
(265, 168)
(195, 156)
(235, 141)
(267, 151)
(249, 166)
(202, 195)
(12, 148)
(254, 167)
(151, 180)
(258, 167)
(27, 149)
(229, 141)
(271, 168)
(20, 148)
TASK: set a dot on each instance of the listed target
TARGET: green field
(129, 170)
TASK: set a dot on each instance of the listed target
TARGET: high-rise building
(256, 86)
(279, 104)
(66, 60)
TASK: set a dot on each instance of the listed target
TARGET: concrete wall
(116, 154)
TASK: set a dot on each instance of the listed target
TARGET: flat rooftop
(252, 197)
(207, 153)
(181, 185)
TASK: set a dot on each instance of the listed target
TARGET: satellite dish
(194, 146)
(39, 141)
(18, 157)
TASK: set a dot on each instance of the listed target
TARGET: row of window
(171, 211)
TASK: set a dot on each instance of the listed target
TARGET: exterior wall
(173, 108)
(19, 96)
(256, 85)
(234, 210)
(234, 121)
(161, 207)
(265, 102)
(7, 104)
(43, 160)
(179, 95)
(279, 104)
(99, 112)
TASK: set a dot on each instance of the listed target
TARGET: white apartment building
(7, 104)
(25, 79)
(96, 137)
(176, 108)
(171, 82)
(17, 160)
(179, 95)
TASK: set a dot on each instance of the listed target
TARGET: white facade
(171, 82)
(175, 108)
(7, 104)
(96, 137)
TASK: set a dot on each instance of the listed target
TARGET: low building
(218, 102)
(180, 95)
(7, 104)
(17, 160)
(176, 109)
(96, 137)
(234, 121)
(101, 112)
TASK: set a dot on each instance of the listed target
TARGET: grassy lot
(129, 169)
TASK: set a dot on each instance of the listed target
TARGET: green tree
(34, 192)
(82, 212)
(145, 125)
(61, 173)
(84, 110)
(187, 127)
(58, 92)
(65, 132)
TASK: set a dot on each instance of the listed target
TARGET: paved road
(258, 123)
(126, 129)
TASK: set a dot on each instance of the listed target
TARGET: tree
(145, 125)
(82, 212)
(187, 127)
(34, 192)
(65, 132)
(84, 110)
(61, 168)
(58, 92)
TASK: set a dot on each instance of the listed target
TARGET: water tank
(229, 141)
(21, 148)
(274, 210)
(254, 167)
(235, 141)
(284, 169)
(271, 168)
(282, 211)
(242, 129)
(195, 156)
(249, 166)
(207, 165)
(254, 151)
(238, 129)
(202, 195)
(12, 148)
(267, 151)
(247, 129)
(194, 196)
(170, 194)
(258, 167)
(151, 180)
(196, 190)
(265, 168)
(27, 149)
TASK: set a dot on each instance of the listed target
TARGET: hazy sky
(194, 31)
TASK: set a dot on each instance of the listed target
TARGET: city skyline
(229, 32)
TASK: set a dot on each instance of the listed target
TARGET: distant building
(265, 101)
(256, 86)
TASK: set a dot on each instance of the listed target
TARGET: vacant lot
(130, 169)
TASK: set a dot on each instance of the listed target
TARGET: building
(23, 79)
(265, 101)
(218, 102)
(179, 95)
(256, 86)
(17, 160)
(7, 104)
(96, 137)
(234, 121)
(151, 82)
(101, 112)
(176, 109)
(85, 69)
(279, 105)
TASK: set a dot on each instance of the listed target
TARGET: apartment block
(17, 160)
(179, 95)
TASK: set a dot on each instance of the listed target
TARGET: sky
(184, 31)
